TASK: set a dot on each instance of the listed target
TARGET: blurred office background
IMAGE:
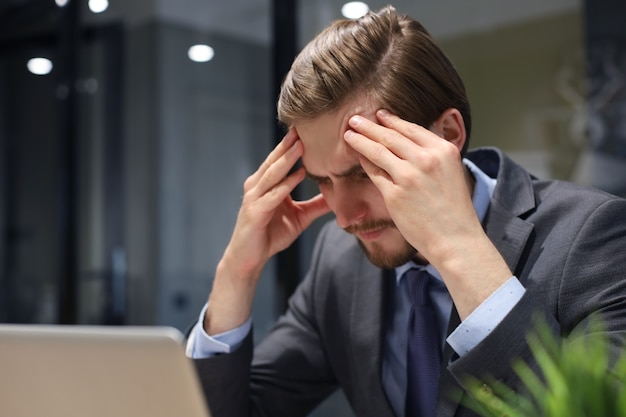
(122, 154)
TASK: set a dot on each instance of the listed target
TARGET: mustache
(370, 226)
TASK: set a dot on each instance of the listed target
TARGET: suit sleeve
(587, 279)
(287, 374)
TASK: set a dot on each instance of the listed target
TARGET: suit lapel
(508, 234)
(512, 198)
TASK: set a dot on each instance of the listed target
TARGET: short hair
(388, 56)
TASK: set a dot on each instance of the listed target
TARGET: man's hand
(427, 191)
(268, 222)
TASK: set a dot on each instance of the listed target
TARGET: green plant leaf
(575, 378)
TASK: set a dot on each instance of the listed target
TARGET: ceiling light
(98, 6)
(61, 3)
(39, 66)
(354, 9)
(201, 53)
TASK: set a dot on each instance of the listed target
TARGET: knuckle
(377, 172)
(377, 154)
(392, 137)
(414, 130)
(248, 183)
(404, 176)
(271, 177)
(429, 162)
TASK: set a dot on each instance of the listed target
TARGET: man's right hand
(268, 222)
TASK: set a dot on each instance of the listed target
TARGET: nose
(349, 205)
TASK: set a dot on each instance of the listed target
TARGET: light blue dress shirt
(466, 336)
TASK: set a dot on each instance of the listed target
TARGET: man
(380, 119)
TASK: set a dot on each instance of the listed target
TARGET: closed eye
(354, 173)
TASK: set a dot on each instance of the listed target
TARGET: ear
(451, 127)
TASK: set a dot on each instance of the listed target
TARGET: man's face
(358, 205)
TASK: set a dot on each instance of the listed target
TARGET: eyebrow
(350, 172)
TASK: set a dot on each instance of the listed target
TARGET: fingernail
(355, 120)
(348, 134)
(383, 113)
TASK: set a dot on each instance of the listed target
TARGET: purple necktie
(423, 352)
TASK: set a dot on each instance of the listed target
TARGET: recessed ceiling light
(98, 6)
(354, 9)
(39, 66)
(61, 3)
(201, 53)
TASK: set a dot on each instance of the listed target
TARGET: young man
(380, 119)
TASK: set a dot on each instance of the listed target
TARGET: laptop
(93, 371)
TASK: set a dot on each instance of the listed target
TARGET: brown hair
(388, 56)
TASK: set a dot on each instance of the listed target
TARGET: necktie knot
(418, 282)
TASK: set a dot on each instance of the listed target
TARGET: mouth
(369, 235)
(371, 230)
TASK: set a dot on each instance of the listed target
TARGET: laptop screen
(79, 371)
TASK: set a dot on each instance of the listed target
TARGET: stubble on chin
(388, 260)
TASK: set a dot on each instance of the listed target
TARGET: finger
(285, 144)
(274, 196)
(392, 139)
(378, 176)
(277, 171)
(375, 152)
(312, 209)
(414, 132)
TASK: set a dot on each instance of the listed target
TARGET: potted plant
(576, 378)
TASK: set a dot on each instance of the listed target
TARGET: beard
(375, 252)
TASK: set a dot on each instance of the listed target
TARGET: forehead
(325, 151)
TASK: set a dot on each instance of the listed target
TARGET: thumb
(312, 209)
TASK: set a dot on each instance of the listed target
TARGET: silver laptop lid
(93, 371)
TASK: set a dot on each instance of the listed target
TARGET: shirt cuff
(477, 326)
(200, 345)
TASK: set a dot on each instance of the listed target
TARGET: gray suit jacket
(565, 243)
